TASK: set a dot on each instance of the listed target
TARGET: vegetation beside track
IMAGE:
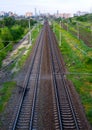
(11, 31)
(79, 26)
(21, 61)
(78, 59)
(7, 87)
(5, 94)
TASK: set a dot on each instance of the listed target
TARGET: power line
(6, 46)
(73, 73)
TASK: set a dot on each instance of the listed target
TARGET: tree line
(11, 31)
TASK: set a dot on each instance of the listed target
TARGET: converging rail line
(67, 114)
(46, 102)
(25, 109)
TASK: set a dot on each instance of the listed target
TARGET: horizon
(46, 6)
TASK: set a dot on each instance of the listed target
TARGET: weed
(77, 57)
(5, 94)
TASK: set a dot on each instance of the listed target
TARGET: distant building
(28, 14)
(66, 15)
(7, 14)
(35, 12)
(57, 12)
(63, 15)
(79, 13)
(2, 13)
(10, 14)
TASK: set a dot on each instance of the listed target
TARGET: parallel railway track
(26, 106)
(67, 115)
(46, 102)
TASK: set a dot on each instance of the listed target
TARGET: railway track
(67, 114)
(26, 106)
(46, 102)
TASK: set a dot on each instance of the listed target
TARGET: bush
(17, 32)
(1, 44)
(6, 36)
(9, 21)
(4, 52)
(73, 23)
(81, 18)
(88, 61)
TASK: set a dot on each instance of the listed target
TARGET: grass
(24, 57)
(21, 61)
(5, 94)
(78, 62)
(84, 88)
(85, 32)
(6, 90)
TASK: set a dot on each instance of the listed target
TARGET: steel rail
(67, 90)
(26, 81)
(36, 87)
(55, 83)
(53, 51)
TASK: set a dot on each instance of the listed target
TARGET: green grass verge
(5, 94)
(21, 61)
(7, 88)
(78, 62)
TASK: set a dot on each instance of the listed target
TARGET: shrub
(17, 32)
(6, 36)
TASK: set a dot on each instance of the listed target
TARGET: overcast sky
(51, 6)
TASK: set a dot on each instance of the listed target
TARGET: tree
(9, 21)
(1, 44)
(6, 36)
(17, 32)
(2, 24)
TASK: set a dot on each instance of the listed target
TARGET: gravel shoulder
(6, 116)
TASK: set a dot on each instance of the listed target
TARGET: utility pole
(29, 32)
(91, 31)
(77, 30)
(60, 33)
(38, 26)
(53, 27)
(67, 25)
(62, 23)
